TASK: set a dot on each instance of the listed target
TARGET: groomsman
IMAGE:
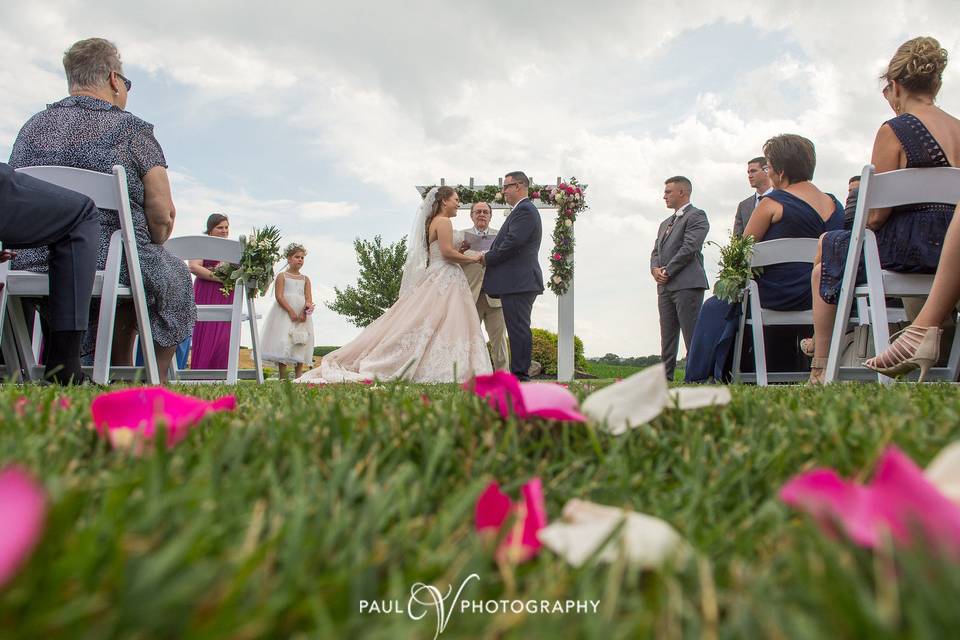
(760, 181)
(676, 264)
(489, 309)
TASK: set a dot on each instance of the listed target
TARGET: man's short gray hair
(88, 63)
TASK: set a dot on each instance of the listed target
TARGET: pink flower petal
(551, 401)
(526, 518)
(492, 508)
(542, 399)
(142, 410)
(502, 391)
(899, 500)
(20, 406)
(23, 507)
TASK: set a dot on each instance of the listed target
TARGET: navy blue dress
(782, 287)
(911, 239)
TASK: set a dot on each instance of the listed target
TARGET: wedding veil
(417, 251)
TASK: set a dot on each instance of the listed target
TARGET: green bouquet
(258, 254)
(735, 269)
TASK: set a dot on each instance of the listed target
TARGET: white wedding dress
(431, 334)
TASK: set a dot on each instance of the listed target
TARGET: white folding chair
(877, 191)
(766, 254)
(108, 191)
(223, 250)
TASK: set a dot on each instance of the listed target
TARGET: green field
(278, 519)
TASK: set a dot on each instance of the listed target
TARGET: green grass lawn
(276, 520)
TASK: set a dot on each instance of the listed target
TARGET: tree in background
(381, 268)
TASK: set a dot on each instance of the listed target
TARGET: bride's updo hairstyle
(918, 66)
(443, 193)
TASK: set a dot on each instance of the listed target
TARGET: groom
(513, 269)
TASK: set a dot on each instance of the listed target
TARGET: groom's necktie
(666, 230)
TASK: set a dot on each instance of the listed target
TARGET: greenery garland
(569, 199)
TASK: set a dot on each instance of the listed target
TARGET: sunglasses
(127, 83)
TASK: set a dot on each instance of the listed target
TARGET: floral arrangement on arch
(258, 254)
(569, 199)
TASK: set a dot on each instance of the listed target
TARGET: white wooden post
(565, 335)
(565, 360)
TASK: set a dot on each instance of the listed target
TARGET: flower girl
(288, 331)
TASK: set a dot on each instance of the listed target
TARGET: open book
(478, 243)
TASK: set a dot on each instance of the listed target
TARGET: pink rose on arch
(535, 195)
(557, 256)
(570, 190)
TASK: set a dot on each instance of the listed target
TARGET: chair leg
(879, 326)
(756, 323)
(22, 337)
(233, 360)
(254, 338)
(738, 341)
(10, 355)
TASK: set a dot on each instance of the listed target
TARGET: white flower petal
(944, 471)
(644, 540)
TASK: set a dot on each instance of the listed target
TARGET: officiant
(478, 239)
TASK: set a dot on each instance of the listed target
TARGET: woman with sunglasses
(91, 129)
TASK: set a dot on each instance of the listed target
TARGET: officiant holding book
(477, 240)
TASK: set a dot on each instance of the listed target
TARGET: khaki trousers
(492, 320)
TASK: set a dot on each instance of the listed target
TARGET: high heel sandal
(818, 368)
(807, 347)
(916, 347)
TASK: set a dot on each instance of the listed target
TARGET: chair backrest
(99, 187)
(204, 247)
(784, 250)
(903, 186)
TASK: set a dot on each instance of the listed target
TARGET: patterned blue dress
(911, 239)
(89, 133)
(782, 287)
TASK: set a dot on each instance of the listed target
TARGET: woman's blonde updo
(918, 66)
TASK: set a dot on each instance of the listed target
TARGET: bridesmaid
(211, 340)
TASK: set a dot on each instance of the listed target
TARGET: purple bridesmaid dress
(211, 340)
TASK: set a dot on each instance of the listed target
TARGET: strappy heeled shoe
(916, 347)
(807, 346)
(818, 368)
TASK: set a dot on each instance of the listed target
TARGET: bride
(432, 332)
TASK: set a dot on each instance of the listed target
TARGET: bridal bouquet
(735, 269)
(258, 254)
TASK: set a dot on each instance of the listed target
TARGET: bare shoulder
(441, 222)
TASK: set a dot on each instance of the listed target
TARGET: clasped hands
(302, 316)
(478, 259)
(660, 275)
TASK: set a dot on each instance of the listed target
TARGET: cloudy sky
(321, 117)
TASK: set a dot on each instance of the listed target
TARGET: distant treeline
(637, 361)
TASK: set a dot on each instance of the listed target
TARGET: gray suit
(679, 249)
(744, 211)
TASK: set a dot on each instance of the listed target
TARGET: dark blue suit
(513, 275)
(36, 213)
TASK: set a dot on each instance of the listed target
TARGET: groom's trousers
(517, 308)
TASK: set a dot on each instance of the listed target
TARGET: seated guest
(211, 340)
(919, 344)
(36, 213)
(794, 209)
(909, 237)
(91, 130)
